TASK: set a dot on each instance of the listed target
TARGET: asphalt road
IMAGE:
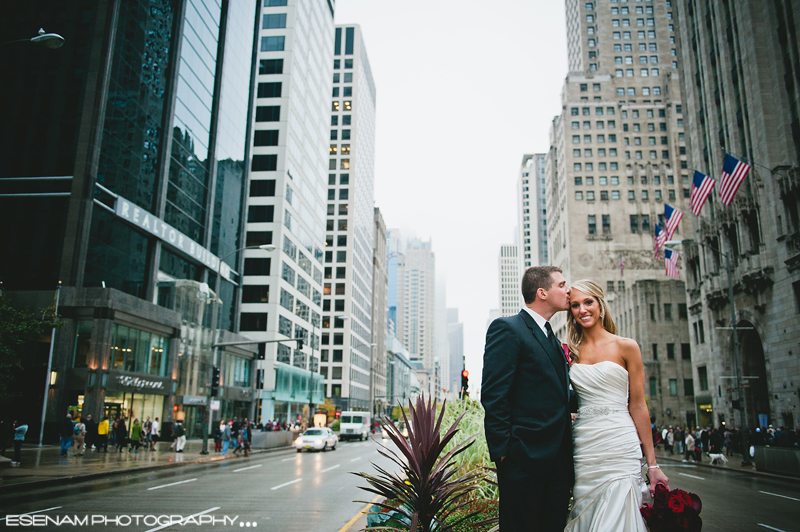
(739, 501)
(280, 491)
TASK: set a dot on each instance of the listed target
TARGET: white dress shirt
(540, 321)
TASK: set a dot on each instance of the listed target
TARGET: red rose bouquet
(674, 510)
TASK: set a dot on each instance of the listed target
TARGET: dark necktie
(552, 337)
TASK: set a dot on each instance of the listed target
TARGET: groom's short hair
(537, 277)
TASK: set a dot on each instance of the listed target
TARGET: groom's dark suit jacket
(525, 394)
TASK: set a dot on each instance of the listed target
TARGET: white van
(354, 426)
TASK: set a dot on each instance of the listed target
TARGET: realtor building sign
(145, 221)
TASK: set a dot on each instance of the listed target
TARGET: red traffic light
(465, 374)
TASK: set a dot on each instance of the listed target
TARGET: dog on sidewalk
(718, 458)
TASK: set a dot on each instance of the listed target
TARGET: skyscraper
(740, 86)
(617, 155)
(131, 197)
(416, 307)
(532, 211)
(347, 301)
(282, 295)
(509, 296)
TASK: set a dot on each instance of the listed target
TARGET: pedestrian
(112, 434)
(136, 436)
(744, 446)
(246, 433)
(226, 436)
(153, 434)
(79, 437)
(180, 436)
(218, 439)
(67, 429)
(146, 427)
(20, 429)
(121, 434)
(670, 445)
(268, 426)
(102, 434)
(91, 431)
(689, 447)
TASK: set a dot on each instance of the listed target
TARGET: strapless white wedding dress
(608, 469)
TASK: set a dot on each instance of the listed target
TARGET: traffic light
(215, 374)
(464, 384)
(262, 351)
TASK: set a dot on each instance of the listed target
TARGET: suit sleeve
(499, 366)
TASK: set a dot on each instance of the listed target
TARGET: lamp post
(51, 40)
(737, 362)
(215, 324)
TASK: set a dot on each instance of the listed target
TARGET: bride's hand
(657, 477)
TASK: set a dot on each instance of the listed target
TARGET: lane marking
(356, 517)
(162, 527)
(691, 476)
(173, 484)
(332, 467)
(770, 527)
(288, 459)
(279, 486)
(356, 458)
(782, 496)
(246, 468)
(36, 512)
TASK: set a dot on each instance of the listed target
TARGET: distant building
(532, 211)
(455, 344)
(378, 364)
(510, 295)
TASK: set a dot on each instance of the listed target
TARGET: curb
(741, 471)
(91, 476)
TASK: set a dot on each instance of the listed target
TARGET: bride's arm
(637, 407)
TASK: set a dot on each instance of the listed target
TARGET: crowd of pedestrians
(233, 434)
(693, 444)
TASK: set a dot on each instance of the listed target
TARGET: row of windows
(337, 64)
(615, 195)
(587, 152)
(346, 91)
(626, 22)
(346, 120)
(628, 60)
(347, 105)
(335, 148)
(603, 180)
(335, 134)
(348, 77)
(587, 111)
(643, 72)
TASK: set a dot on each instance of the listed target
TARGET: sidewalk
(44, 466)
(734, 464)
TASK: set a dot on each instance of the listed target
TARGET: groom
(525, 393)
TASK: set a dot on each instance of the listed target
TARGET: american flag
(661, 237)
(672, 217)
(672, 263)
(701, 188)
(733, 173)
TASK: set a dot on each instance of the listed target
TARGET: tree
(18, 330)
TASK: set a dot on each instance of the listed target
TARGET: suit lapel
(555, 357)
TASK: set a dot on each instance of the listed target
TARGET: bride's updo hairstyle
(574, 329)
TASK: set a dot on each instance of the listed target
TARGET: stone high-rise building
(739, 76)
(617, 154)
(349, 242)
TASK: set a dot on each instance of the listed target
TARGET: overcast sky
(464, 89)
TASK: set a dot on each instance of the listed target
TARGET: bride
(613, 425)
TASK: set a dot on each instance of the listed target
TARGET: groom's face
(558, 294)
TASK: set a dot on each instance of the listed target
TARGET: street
(284, 490)
(739, 501)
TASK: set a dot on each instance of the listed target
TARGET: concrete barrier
(272, 440)
(783, 461)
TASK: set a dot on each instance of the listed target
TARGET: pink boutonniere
(565, 347)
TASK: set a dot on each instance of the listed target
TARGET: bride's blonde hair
(574, 329)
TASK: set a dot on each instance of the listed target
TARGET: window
(590, 196)
(268, 113)
(688, 387)
(645, 223)
(686, 352)
(668, 311)
(274, 21)
(673, 386)
(273, 43)
(670, 351)
(265, 137)
(260, 213)
(256, 266)
(606, 223)
(270, 66)
(615, 194)
(702, 375)
(592, 219)
(274, 3)
(253, 321)
(269, 90)
(652, 312)
(255, 294)
(578, 181)
(264, 163)
(634, 223)
(655, 351)
(631, 195)
(653, 387)
(603, 195)
(579, 195)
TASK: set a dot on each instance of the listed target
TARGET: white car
(316, 439)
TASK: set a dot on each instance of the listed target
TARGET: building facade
(509, 295)
(617, 155)
(739, 78)
(455, 344)
(282, 293)
(131, 200)
(532, 210)
(349, 240)
(380, 284)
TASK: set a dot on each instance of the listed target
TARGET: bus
(354, 426)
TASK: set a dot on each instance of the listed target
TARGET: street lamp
(215, 324)
(731, 302)
(51, 40)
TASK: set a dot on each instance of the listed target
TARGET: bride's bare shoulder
(626, 345)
